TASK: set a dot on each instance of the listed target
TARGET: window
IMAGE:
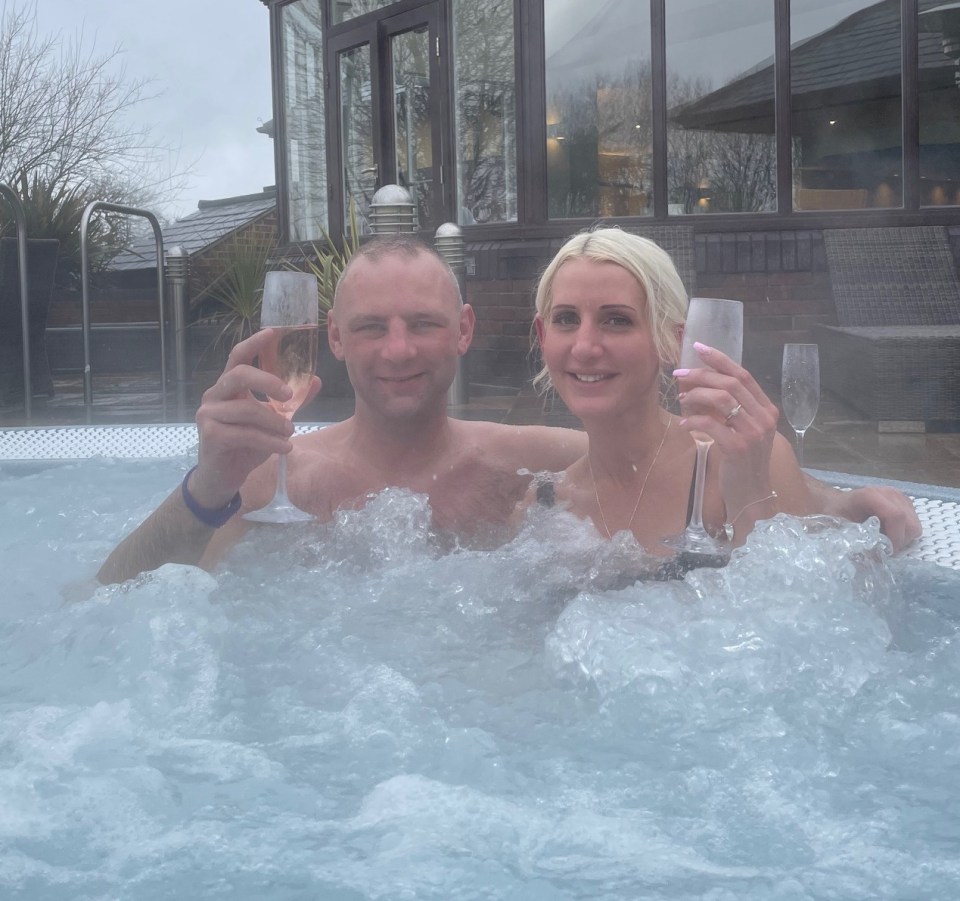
(939, 86)
(357, 151)
(721, 133)
(847, 96)
(599, 109)
(484, 85)
(342, 10)
(304, 117)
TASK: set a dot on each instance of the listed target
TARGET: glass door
(413, 54)
(355, 129)
(386, 80)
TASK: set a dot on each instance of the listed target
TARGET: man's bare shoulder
(533, 447)
(323, 439)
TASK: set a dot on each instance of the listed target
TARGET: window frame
(530, 64)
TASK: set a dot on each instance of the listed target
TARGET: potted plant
(326, 261)
(51, 216)
(52, 209)
(231, 301)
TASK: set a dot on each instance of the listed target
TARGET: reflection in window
(847, 132)
(304, 116)
(721, 135)
(356, 121)
(485, 93)
(413, 128)
(598, 99)
(939, 104)
(341, 10)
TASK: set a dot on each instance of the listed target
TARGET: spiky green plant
(238, 289)
(53, 209)
(328, 260)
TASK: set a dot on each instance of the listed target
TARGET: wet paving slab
(840, 440)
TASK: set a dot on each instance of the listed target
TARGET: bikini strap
(546, 494)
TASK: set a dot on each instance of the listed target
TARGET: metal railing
(20, 217)
(85, 275)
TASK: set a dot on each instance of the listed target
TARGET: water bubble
(368, 709)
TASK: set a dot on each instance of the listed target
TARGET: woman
(609, 321)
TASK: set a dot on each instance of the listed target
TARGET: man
(399, 324)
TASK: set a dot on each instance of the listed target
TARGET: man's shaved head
(401, 245)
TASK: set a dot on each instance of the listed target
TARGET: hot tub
(351, 711)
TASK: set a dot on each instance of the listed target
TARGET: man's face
(399, 328)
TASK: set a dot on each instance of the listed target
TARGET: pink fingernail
(680, 373)
(702, 349)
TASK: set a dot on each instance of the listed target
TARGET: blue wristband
(212, 518)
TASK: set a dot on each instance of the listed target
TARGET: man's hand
(237, 434)
(237, 431)
(898, 519)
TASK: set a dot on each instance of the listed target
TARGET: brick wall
(207, 265)
(501, 344)
(106, 305)
(781, 277)
(139, 304)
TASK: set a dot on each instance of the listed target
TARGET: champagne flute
(719, 324)
(800, 388)
(290, 308)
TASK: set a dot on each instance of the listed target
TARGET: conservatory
(738, 134)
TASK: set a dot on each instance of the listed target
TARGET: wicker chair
(895, 354)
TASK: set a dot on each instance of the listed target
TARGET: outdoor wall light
(554, 131)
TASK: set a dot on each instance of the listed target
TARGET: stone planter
(41, 269)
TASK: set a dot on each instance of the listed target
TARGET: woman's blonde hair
(647, 262)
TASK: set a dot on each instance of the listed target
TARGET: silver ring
(734, 412)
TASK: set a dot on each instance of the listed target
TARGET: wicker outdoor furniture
(895, 354)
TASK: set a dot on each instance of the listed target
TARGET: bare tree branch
(64, 115)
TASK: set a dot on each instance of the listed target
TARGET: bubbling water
(351, 711)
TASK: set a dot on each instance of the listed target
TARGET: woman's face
(596, 341)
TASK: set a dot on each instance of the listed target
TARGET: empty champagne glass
(800, 388)
(290, 308)
(717, 323)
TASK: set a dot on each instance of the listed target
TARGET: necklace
(643, 485)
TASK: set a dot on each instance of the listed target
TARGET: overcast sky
(209, 62)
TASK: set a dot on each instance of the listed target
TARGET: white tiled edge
(122, 442)
(938, 508)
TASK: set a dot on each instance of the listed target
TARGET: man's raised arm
(237, 434)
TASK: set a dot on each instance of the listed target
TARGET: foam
(352, 710)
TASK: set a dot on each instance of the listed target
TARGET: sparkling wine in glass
(800, 388)
(290, 308)
(716, 323)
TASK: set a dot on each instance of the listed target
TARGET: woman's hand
(722, 400)
(897, 515)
